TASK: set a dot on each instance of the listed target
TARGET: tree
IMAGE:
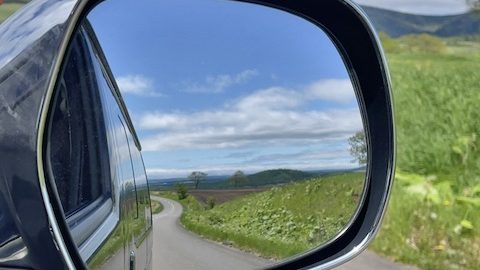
(238, 178)
(181, 190)
(474, 5)
(197, 177)
(358, 147)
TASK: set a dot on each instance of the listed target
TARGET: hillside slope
(397, 24)
(282, 221)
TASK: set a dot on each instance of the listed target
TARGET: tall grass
(433, 219)
(437, 115)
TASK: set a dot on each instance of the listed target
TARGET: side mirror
(269, 98)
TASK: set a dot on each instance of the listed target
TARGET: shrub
(210, 202)
(181, 190)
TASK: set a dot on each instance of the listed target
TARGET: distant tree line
(421, 43)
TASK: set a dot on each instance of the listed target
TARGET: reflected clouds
(37, 19)
(218, 83)
(272, 116)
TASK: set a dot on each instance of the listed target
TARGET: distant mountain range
(260, 179)
(397, 24)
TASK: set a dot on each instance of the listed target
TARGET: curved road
(176, 248)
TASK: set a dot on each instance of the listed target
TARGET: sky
(219, 86)
(424, 7)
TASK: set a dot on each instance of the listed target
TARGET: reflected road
(176, 248)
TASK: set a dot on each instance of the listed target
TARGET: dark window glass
(77, 146)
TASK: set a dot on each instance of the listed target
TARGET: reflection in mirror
(251, 130)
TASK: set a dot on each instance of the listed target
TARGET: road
(176, 248)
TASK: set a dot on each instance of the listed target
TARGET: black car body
(87, 147)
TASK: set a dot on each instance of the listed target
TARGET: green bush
(181, 190)
(210, 202)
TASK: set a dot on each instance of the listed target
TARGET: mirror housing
(343, 21)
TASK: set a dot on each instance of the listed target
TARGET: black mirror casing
(25, 99)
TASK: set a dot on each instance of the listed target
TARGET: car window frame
(87, 219)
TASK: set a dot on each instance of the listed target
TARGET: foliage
(389, 44)
(422, 43)
(197, 177)
(415, 43)
(432, 220)
(429, 225)
(181, 190)
(282, 221)
(211, 202)
(436, 99)
(157, 207)
(277, 176)
(358, 147)
(238, 179)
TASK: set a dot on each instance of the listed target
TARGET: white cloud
(332, 90)
(136, 85)
(427, 7)
(275, 116)
(218, 83)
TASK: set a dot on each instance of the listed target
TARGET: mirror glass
(251, 130)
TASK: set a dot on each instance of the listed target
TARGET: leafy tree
(238, 178)
(358, 147)
(197, 177)
(181, 190)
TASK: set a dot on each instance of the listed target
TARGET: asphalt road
(176, 248)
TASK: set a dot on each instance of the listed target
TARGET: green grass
(437, 117)
(433, 217)
(156, 207)
(8, 9)
(282, 221)
(428, 234)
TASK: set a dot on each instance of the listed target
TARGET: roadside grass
(433, 216)
(431, 235)
(280, 222)
(157, 207)
(437, 117)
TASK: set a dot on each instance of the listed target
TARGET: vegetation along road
(176, 248)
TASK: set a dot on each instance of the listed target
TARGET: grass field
(433, 218)
(282, 221)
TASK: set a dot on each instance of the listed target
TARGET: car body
(93, 157)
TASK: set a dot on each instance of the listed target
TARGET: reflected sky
(219, 86)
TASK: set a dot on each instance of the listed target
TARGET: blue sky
(220, 86)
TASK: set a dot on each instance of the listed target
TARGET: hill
(277, 176)
(263, 178)
(397, 24)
